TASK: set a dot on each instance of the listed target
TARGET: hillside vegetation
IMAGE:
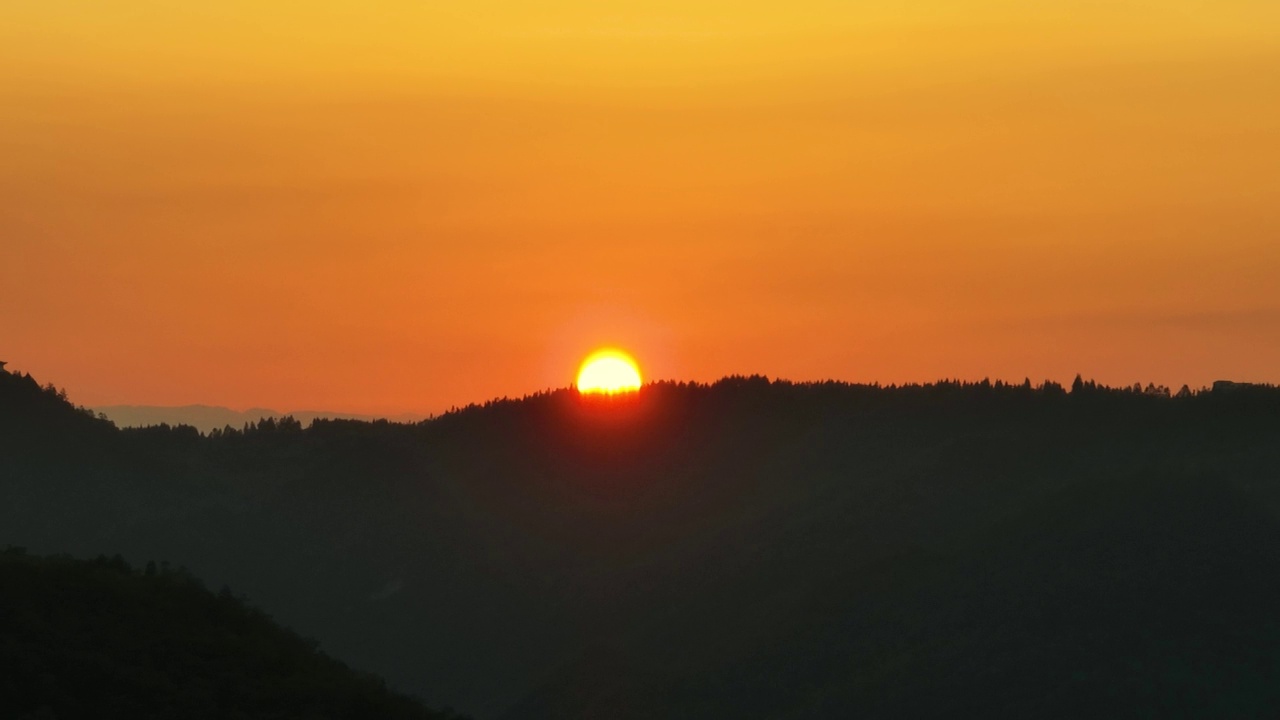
(749, 549)
(100, 639)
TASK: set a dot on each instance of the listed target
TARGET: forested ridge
(750, 548)
(98, 638)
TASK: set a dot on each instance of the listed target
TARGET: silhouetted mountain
(207, 418)
(748, 549)
(99, 639)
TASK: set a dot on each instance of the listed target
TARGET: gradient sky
(407, 205)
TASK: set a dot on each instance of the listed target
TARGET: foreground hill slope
(97, 639)
(747, 549)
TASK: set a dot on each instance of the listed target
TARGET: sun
(608, 372)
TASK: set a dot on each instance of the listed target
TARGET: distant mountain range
(748, 549)
(210, 417)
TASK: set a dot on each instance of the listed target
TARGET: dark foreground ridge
(750, 549)
(99, 639)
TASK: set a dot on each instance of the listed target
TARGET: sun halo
(608, 372)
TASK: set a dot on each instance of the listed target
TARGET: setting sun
(609, 372)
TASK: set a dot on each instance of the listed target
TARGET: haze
(402, 206)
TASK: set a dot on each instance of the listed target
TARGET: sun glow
(608, 372)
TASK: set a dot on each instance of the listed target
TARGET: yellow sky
(408, 205)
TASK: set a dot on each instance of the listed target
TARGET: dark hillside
(746, 549)
(98, 639)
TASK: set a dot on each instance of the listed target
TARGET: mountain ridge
(98, 634)
(207, 418)
(750, 548)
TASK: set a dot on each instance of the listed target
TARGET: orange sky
(406, 205)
